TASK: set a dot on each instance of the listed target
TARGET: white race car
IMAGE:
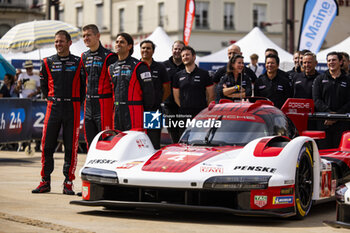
(343, 207)
(240, 158)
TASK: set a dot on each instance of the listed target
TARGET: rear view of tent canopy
(163, 45)
(254, 42)
(343, 46)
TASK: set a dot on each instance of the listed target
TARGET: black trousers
(171, 111)
(65, 115)
(98, 116)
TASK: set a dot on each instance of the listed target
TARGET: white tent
(163, 45)
(77, 48)
(254, 42)
(343, 46)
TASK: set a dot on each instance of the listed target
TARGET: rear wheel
(303, 182)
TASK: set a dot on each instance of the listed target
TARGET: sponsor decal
(129, 165)
(126, 67)
(298, 105)
(282, 200)
(145, 75)
(85, 191)
(334, 186)
(142, 143)
(255, 168)
(102, 161)
(260, 201)
(71, 68)
(209, 169)
(326, 184)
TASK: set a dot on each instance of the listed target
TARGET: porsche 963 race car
(235, 157)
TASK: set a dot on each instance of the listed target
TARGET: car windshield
(230, 132)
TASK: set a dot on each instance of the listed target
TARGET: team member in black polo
(173, 65)
(161, 85)
(231, 52)
(331, 93)
(303, 81)
(271, 84)
(192, 85)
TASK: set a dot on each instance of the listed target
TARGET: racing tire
(304, 180)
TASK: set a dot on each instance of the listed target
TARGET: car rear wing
(302, 110)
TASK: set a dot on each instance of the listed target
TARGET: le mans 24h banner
(318, 16)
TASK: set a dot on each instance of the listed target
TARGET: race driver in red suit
(98, 112)
(64, 88)
(132, 84)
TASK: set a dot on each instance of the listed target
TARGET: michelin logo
(152, 120)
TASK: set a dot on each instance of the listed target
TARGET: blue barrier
(23, 120)
(15, 119)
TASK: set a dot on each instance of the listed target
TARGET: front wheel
(303, 182)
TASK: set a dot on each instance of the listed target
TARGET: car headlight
(340, 193)
(239, 183)
(99, 175)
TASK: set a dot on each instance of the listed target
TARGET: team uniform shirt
(133, 92)
(63, 84)
(192, 88)
(332, 95)
(302, 85)
(159, 77)
(172, 69)
(291, 73)
(278, 90)
(30, 84)
(230, 81)
(223, 70)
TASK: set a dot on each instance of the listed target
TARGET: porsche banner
(318, 16)
(190, 10)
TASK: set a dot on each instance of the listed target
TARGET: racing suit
(98, 109)
(133, 92)
(63, 85)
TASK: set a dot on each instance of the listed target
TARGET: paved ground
(23, 212)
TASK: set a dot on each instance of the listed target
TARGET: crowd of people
(115, 89)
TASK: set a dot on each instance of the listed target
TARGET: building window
(121, 20)
(99, 15)
(61, 14)
(202, 10)
(79, 17)
(139, 18)
(229, 9)
(259, 15)
(161, 14)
